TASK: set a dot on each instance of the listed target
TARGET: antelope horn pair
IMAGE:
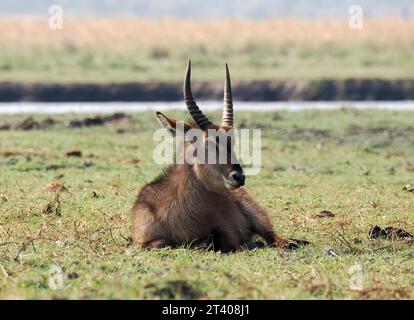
(198, 116)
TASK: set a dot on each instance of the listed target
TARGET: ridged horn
(227, 101)
(200, 119)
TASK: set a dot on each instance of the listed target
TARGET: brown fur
(190, 203)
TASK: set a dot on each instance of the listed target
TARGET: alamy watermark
(210, 147)
(56, 17)
(56, 278)
(356, 277)
(356, 17)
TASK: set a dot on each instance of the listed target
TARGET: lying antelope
(193, 202)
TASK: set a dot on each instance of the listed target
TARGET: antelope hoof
(293, 244)
(255, 245)
(157, 244)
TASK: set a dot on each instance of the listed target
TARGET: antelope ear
(171, 124)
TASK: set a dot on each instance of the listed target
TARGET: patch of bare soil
(324, 214)
(74, 153)
(55, 188)
(98, 120)
(127, 160)
(172, 289)
(390, 132)
(8, 154)
(4, 125)
(31, 124)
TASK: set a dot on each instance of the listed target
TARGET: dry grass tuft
(121, 33)
(127, 49)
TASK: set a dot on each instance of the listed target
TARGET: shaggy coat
(191, 203)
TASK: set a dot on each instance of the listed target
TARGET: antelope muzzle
(236, 179)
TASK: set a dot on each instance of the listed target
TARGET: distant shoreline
(277, 90)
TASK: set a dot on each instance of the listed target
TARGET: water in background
(109, 107)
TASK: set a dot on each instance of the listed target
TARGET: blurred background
(76, 145)
(277, 49)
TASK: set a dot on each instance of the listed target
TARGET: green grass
(353, 163)
(261, 62)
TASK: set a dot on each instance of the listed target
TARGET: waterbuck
(194, 201)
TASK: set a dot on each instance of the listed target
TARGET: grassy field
(353, 163)
(127, 49)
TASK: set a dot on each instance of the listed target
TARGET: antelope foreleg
(261, 225)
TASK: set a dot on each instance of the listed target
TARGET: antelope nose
(238, 177)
